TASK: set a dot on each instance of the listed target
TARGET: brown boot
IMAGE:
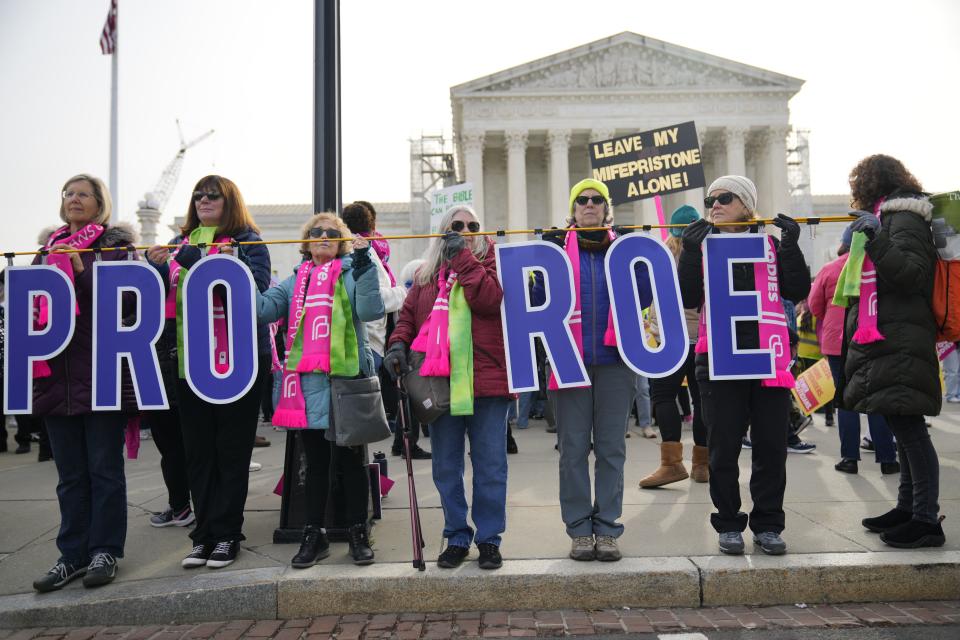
(700, 465)
(671, 467)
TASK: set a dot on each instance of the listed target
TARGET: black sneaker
(101, 570)
(197, 557)
(420, 454)
(58, 576)
(893, 518)
(452, 556)
(223, 554)
(170, 518)
(490, 557)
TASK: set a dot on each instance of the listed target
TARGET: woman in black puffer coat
(898, 376)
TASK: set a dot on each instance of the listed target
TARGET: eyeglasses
(319, 232)
(211, 195)
(583, 200)
(83, 195)
(724, 199)
(458, 225)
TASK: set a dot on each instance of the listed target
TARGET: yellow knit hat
(588, 183)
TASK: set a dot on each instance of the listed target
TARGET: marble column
(777, 183)
(149, 218)
(558, 142)
(735, 139)
(471, 143)
(516, 141)
(694, 197)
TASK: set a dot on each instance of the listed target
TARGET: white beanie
(740, 186)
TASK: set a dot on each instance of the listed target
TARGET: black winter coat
(899, 375)
(68, 391)
(793, 277)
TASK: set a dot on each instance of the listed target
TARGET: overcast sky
(880, 77)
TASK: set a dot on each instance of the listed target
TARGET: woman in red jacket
(455, 294)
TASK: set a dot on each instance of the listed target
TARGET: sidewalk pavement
(670, 552)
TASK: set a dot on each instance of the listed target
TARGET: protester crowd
(440, 320)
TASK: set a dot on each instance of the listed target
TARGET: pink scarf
(772, 324)
(434, 336)
(221, 347)
(312, 304)
(82, 239)
(576, 320)
(868, 309)
(382, 247)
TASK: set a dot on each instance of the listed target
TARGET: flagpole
(113, 121)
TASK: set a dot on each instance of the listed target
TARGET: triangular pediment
(625, 62)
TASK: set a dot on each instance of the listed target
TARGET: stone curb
(283, 593)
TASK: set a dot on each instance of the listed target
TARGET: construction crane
(157, 199)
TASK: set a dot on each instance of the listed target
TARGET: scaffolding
(798, 171)
(431, 167)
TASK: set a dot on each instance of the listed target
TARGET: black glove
(395, 361)
(453, 243)
(555, 236)
(622, 230)
(694, 234)
(361, 261)
(789, 229)
(188, 256)
(865, 222)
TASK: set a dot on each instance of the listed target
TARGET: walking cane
(403, 411)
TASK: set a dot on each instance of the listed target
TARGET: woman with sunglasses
(217, 439)
(456, 294)
(730, 407)
(87, 445)
(344, 272)
(595, 415)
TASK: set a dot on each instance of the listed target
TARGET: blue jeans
(643, 401)
(487, 431)
(92, 489)
(849, 423)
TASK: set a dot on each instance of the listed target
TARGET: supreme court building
(522, 134)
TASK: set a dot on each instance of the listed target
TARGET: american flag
(108, 39)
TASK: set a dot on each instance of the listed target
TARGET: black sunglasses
(583, 200)
(458, 225)
(723, 198)
(211, 195)
(319, 232)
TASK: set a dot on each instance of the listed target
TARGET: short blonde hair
(100, 192)
(326, 216)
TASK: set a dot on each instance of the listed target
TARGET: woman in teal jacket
(304, 401)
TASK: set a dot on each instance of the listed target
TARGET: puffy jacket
(829, 316)
(68, 390)
(899, 375)
(257, 259)
(792, 276)
(484, 295)
(594, 297)
(366, 304)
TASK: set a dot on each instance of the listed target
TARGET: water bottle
(381, 459)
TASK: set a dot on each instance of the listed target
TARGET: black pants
(347, 463)
(663, 400)
(218, 441)
(266, 397)
(168, 436)
(27, 425)
(729, 408)
(919, 468)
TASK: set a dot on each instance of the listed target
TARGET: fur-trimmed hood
(912, 203)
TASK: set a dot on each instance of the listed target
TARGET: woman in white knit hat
(730, 407)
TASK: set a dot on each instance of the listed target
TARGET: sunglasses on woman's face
(458, 225)
(583, 200)
(211, 195)
(723, 198)
(319, 232)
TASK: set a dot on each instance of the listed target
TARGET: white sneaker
(255, 466)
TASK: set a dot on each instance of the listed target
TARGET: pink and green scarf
(320, 337)
(446, 339)
(772, 325)
(82, 239)
(576, 320)
(858, 278)
(174, 303)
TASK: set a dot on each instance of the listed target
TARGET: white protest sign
(443, 199)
